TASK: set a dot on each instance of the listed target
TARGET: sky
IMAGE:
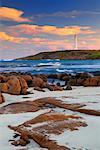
(29, 27)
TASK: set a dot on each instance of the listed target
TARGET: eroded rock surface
(40, 127)
(31, 106)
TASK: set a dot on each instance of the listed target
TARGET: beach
(45, 115)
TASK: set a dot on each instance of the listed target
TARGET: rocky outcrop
(39, 83)
(14, 85)
(94, 81)
(83, 79)
(83, 75)
(19, 83)
(80, 79)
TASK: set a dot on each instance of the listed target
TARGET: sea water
(49, 66)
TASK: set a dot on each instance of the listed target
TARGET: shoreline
(88, 95)
(50, 114)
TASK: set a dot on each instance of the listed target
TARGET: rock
(15, 143)
(78, 79)
(23, 85)
(53, 76)
(4, 87)
(66, 78)
(19, 107)
(80, 82)
(27, 78)
(43, 77)
(2, 78)
(94, 81)
(62, 76)
(83, 75)
(56, 88)
(66, 82)
(55, 124)
(39, 89)
(49, 87)
(72, 82)
(14, 86)
(76, 82)
(68, 87)
(2, 100)
(23, 142)
(37, 82)
(53, 87)
(59, 76)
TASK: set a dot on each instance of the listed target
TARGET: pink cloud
(12, 14)
(61, 31)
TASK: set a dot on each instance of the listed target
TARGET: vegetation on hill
(67, 54)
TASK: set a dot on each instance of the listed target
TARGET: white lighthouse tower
(75, 42)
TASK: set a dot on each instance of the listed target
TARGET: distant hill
(65, 54)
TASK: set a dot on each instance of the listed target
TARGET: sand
(87, 138)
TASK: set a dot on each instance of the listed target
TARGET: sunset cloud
(12, 14)
(61, 31)
(20, 40)
(6, 37)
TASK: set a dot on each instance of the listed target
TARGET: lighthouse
(75, 42)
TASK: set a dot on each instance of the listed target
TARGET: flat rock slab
(32, 106)
(40, 127)
(19, 107)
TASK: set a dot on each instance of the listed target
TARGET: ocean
(50, 66)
